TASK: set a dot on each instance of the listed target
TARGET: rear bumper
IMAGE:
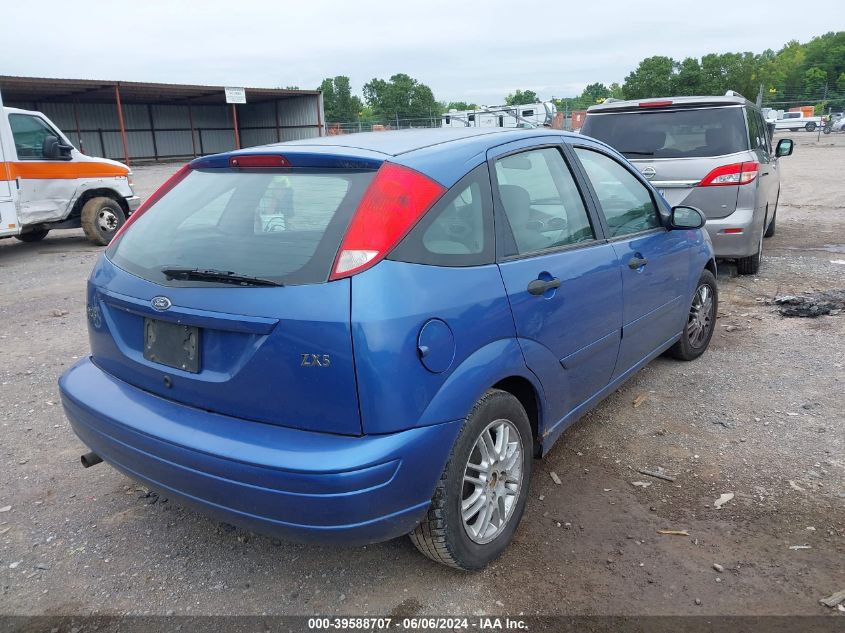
(298, 485)
(733, 245)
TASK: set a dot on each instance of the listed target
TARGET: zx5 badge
(315, 360)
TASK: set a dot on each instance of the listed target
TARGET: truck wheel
(701, 320)
(33, 236)
(481, 495)
(101, 218)
(810, 127)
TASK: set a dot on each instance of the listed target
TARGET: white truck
(47, 184)
(795, 121)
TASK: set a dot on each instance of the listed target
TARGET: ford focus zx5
(348, 339)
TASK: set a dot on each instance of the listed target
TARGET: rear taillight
(733, 174)
(654, 104)
(171, 182)
(393, 203)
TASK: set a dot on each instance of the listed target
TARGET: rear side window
(687, 133)
(281, 226)
(541, 201)
(626, 203)
(458, 230)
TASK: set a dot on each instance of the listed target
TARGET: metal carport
(129, 120)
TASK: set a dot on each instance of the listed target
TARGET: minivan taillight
(393, 203)
(171, 182)
(733, 174)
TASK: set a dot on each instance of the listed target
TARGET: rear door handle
(539, 286)
(637, 262)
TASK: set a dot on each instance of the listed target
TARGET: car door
(766, 171)
(654, 262)
(46, 185)
(561, 277)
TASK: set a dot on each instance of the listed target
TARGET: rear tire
(751, 264)
(101, 219)
(770, 231)
(701, 321)
(33, 236)
(810, 127)
(448, 534)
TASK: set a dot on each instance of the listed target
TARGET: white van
(46, 183)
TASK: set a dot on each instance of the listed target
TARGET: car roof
(398, 142)
(635, 104)
(444, 154)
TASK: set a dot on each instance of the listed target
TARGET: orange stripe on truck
(60, 171)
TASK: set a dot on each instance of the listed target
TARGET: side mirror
(52, 148)
(784, 147)
(685, 218)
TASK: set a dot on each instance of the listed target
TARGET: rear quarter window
(458, 230)
(281, 226)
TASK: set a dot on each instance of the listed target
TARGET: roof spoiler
(733, 93)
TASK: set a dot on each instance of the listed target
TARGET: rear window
(688, 133)
(285, 227)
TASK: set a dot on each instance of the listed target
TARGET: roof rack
(733, 93)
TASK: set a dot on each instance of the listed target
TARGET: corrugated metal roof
(43, 89)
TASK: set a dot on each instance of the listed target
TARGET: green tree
(688, 79)
(594, 93)
(652, 78)
(521, 97)
(815, 80)
(460, 105)
(400, 97)
(338, 101)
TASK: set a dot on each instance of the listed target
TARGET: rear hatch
(218, 295)
(677, 147)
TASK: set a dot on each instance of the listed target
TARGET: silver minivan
(713, 153)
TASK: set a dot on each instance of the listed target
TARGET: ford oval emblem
(160, 303)
(649, 172)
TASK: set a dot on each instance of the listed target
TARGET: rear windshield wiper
(210, 274)
(628, 151)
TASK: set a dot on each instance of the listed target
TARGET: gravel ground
(759, 416)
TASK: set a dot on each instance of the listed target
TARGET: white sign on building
(235, 95)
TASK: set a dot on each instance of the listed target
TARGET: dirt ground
(761, 415)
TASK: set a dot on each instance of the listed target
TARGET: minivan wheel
(101, 218)
(770, 231)
(750, 265)
(481, 495)
(701, 321)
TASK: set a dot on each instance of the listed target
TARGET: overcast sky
(473, 51)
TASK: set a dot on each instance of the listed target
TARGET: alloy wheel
(700, 316)
(492, 481)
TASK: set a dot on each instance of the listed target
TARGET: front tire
(481, 495)
(101, 219)
(701, 321)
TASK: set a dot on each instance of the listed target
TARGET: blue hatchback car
(347, 339)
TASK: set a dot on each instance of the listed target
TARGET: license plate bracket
(172, 344)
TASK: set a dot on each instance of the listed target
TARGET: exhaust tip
(90, 459)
